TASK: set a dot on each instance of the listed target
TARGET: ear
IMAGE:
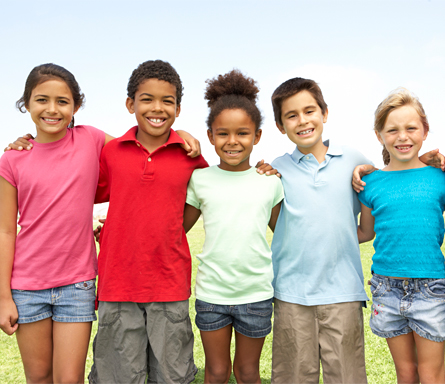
(425, 134)
(379, 138)
(76, 109)
(178, 110)
(281, 128)
(130, 104)
(325, 116)
(210, 136)
(257, 136)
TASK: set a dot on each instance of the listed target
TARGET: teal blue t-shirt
(408, 209)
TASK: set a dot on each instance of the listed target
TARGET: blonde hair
(396, 99)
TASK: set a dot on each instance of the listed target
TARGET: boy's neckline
(235, 173)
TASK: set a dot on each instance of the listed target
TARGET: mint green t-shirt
(235, 264)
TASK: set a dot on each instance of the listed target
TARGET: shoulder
(353, 155)
(282, 161)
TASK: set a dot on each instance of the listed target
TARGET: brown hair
(46, 72)
(396, 99)
(232, 91)
(292, 87)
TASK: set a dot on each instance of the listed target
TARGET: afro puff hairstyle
(155, 69)
(232, 91)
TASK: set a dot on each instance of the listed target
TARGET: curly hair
(232, 91)
(45, 72)
(155, 69)
(292, 87)
(396, 99)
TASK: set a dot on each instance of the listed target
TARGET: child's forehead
(300, 100)
(157, 87)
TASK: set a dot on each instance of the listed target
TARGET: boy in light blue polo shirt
(318, 280)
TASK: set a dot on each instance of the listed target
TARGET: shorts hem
(33, 319)
(77, 319)
(389, 335)
(253, 334)
(426, 335)
(214, 326)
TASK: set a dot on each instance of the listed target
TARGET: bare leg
(36, 349)
(431, 360)
(217, 352)
(70, 351)
(403, 351)
(246, 364)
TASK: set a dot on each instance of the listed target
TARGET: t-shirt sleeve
(364, 196)
(201, 162)
(6, 170)
(98, 137)
(279, 192)
(103, 186)
(192, 198)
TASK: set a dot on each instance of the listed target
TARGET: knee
(38, 377)
(67, 378)
(407, 374)
(218, 373)
(429, 374)
(246, 373)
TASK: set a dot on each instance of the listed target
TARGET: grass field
(379, 365)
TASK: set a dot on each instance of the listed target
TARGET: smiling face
(155, 108)
(51, 106)
(234, 134)
(403, 135)
(303, 122)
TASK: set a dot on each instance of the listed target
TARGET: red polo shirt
(144, 254)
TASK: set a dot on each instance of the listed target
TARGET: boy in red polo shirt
(144, 262)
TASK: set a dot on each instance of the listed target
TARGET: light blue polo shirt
(316, 256)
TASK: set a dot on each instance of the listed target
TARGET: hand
(96, 232)
(8, 316)
(20, 143)
(360, 171)
(434, 159)
(191, 145)
(266, 168)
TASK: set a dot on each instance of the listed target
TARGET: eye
(41, 100)
(222, 134)
(146, 99)
(63, 102)
(309, 112)
(168, 102)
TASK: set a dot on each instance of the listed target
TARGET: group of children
(311, 278)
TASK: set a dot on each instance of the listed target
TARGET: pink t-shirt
(56, 184)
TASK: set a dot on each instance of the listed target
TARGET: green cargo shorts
(134, 340)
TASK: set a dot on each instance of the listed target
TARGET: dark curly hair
(232, 91)
(155, 69)
(46, 72)
(292, 87)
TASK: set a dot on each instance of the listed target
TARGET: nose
(402, 135)
(51, 107)
(303, 120)
(157, 106)
(232, 140)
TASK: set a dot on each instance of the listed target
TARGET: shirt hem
(142, 299)
(74, 280)
(237, 301)
(322, 300)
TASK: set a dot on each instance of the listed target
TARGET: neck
(151, 143)
(44, 138)
(395, 165)
(318, 150)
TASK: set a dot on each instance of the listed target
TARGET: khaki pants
(305, 335)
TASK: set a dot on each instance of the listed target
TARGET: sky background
(358, 51)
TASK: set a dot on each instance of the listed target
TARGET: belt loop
(416, 285)
(388, 286)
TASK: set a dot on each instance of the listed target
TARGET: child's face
(234, 134)
(303, 121)
(403, 135)
(155, 108)
(51, 106)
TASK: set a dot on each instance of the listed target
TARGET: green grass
(379, 365)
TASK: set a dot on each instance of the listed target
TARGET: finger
(7, 149)
(186, 146)
(14, 328)
(278, 174)
(102, 221)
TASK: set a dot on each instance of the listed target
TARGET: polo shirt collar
(333, 150)
(130, 135)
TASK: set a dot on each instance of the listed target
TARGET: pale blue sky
(358, 51)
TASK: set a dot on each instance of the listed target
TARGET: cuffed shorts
(251, 320)
(402, 306)
(72, 303)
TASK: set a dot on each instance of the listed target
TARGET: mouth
(232, 153)
(403, 148)
(49, 120)
(305, 132)
(156, 121)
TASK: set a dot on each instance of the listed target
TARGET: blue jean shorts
(402, 306)
(72, 303)
(251, 320)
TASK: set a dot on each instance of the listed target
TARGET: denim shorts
(72, 303)
(251, 320)
(402, 306)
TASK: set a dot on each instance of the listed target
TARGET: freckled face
(234, 134)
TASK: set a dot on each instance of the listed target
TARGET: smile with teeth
(50, 120)
(403, 148)
(306, 132)
(156, 120)
(232, 152)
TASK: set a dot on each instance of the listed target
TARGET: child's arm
(191, 216)
(358, 173)
(191, 145)
(274, 216)
(434, 159)
(8, 234)
(262, 167)
(22, 142)
(365, 231)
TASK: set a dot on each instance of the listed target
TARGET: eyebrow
(305, 108)
(148, 94)
(59, 97)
